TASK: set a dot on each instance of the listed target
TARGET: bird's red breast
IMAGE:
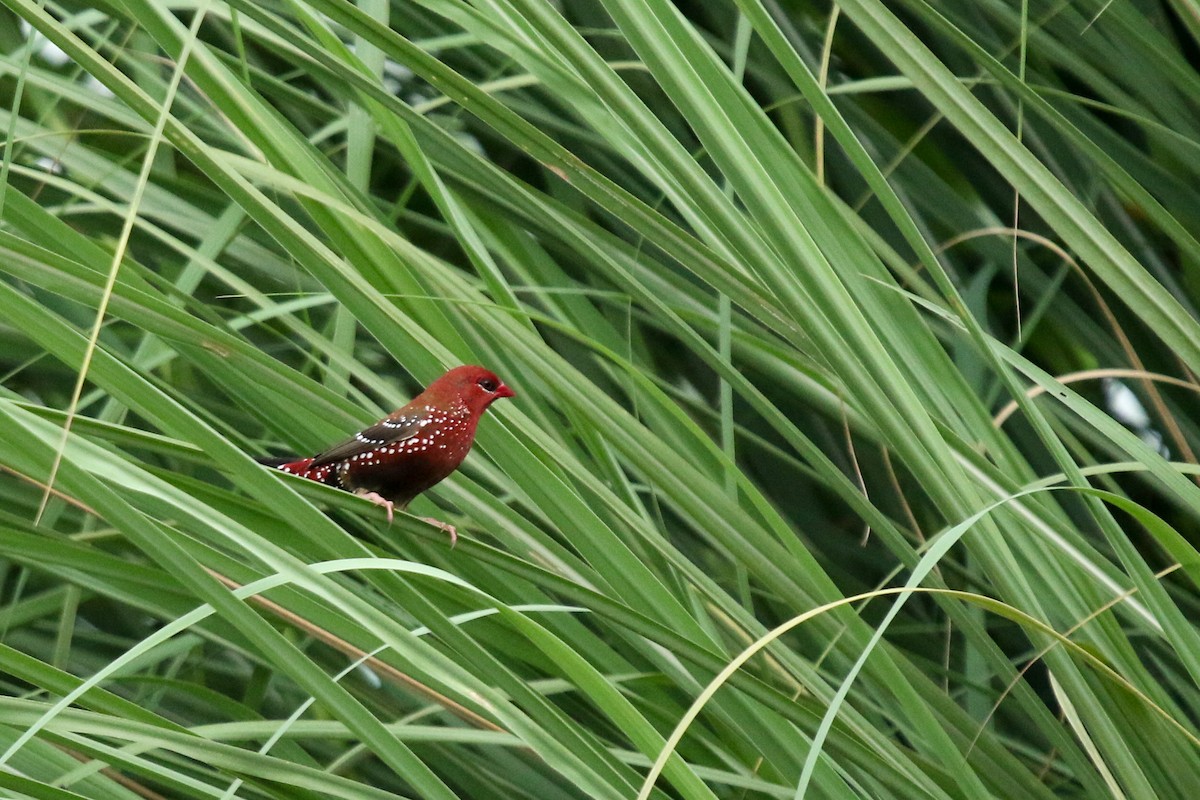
(414, 447)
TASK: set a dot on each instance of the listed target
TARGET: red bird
(411, 449)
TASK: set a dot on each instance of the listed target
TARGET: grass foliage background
(800, 303)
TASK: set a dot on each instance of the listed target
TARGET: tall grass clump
(855, 446)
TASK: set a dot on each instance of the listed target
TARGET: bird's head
(475, 386)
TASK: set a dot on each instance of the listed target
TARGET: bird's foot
(446, 526)
(379, 500)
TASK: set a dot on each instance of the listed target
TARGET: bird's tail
(326, 473)
(274, 461)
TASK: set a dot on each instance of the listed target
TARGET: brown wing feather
(387, 431)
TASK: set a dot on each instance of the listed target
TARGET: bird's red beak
(503, 391)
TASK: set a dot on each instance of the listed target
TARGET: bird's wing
(388, 430)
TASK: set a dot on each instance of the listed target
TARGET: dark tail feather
(303, 467)
(275, 461)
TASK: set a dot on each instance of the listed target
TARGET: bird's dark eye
(487, 384)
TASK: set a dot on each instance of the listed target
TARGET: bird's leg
(446, 526)
(378, 500)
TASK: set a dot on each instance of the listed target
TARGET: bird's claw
(380, 500)
(447, 527)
